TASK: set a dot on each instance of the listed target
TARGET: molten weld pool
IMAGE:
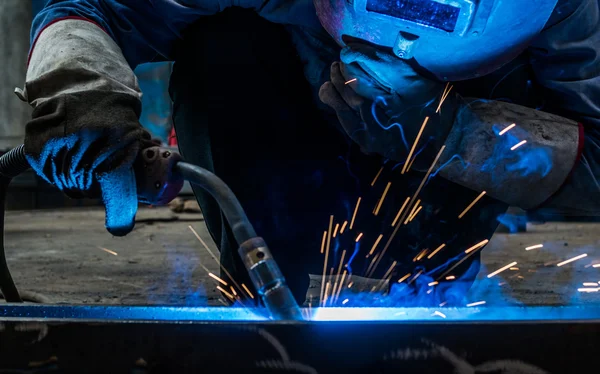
(139, 339)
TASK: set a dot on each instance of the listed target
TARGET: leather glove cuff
(111, 120)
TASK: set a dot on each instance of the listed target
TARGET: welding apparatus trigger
(157, 181)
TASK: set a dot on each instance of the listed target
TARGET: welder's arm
(566, 61)
(556, 172)
(84, 134)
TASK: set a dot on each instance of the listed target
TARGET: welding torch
(159, 175)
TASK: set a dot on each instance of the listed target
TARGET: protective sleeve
(146, 30)
(547, 162)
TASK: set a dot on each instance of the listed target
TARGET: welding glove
(382, 102)
(85, 145)
(84, 134)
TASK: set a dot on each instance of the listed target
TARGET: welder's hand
(88, 151)
(381, 102)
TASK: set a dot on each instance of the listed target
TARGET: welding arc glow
(572, 259)
(518, 145)
(502, 269)
(506, 129)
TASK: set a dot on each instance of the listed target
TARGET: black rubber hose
(240, 225)
(12, 164)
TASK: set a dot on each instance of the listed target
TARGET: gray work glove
(85, 144)
(381, 102)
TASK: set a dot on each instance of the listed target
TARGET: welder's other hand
(358, 116)
(89, 149)
(384, 121)
(388, 75)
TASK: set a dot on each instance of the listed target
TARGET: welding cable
(230, 206)
(12, 164)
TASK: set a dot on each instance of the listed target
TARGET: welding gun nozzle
(268, 280)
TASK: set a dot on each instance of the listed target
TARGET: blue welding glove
(85, 145)
(381, 102)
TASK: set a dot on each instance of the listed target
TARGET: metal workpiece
(268, 280)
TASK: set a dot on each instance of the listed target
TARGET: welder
(297, 105)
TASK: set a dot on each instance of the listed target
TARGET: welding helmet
(452, 39)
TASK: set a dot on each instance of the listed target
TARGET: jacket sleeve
(98, 42)
(546, 159)
(566, 61)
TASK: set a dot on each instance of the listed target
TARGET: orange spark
(109, 251)
(476, 246)
(572, 259)
(376, 176)
(391, 238)
(400, 211)
(382, 198)
(226, 293)
(326, 257)
(534, 247)
(247, 291)
(471, 205)
(501, 269)
(343, 227)
(506, 129)
(412, 149)
(476, 303)
(354, 214)
(323, 241)
(435, 251)
(518, 145)
(217, 279)
(375, 245)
